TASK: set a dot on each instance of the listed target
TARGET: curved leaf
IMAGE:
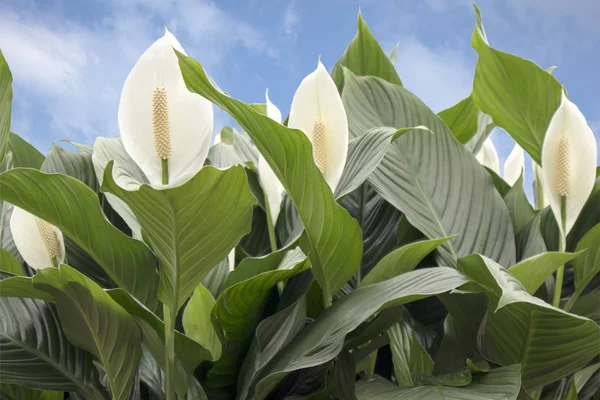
(23, 153)
(520, 96)
(333, 242)
(438, 184)
(93, 321)
(197, 323)
(191, 227)
(322, 340)
(588, 264)
(408, 354)
(9, 264)
(533, 271)
(21, 286)
(467, 122)
(73, 207)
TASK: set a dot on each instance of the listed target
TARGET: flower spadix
(317, 110)
(568, 162)
(40, 243)
(160, 119)
(514, 165)
(272, 188)
(488, 157)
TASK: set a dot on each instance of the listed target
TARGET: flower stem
(270, 227)
(560, 273)
(170, 313)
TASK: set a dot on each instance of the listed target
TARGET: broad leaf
(402, 260)
(333, 239)
(9, 264)
(520, 96)
(364, 56)
(197, 323)
(93, 321)
(588, 264)
(36, 353)
(73, 207)
(530, 241)
(520, 210)
(467, 122)
(548, 342)
(438, 184)
(238, 311)
(21, 286)
(533, 271)
(588, 218)
(498, 384)
(322, 340)
(6, 95)
(408, 354)
(191, 227)
(23, 153)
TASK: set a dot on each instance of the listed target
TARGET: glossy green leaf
(36, 353)
(333, 242)
(197, 322)
(191, 227)
(520, 96)
(438, 184)
(73, 207)
(6, 95)
(364, 155)
(9, 264)
(498, 384)
(467, 122)
(548, 342)
(401, 260)
(238, 311)
(93, 321)
(533, 271)
(364, 56)
(322, 340)
(21, 286)
(408, 354)
(23, 153)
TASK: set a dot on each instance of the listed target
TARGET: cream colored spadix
(160, 119)
(568, 162)
(488, 157)
(272, 188)
(317, 110)
(40, 243)
(514, 165)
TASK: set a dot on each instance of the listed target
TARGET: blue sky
(70, 58)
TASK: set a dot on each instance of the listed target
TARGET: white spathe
(190, 116)
(231, 259)
(28, 238)
(569, 125)
(488, 157)
(514, 165)
(272, 188)
(317, 104)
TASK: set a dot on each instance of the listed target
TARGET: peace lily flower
(163, 124)
(317, 110)
(514, 165)
(40, 243)
(231, 259)
(568, 163)
(538, 184)
(488, 157)
(272, 188)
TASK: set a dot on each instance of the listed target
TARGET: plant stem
(270, 227)
(560, 273)
(169, 317)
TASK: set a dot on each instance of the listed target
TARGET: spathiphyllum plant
(362, 247)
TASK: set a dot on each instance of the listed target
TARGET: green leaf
(197, 322)
(191, 227)
(588, 264)
(214, 281)
(585, 306)
(364, 155)
(438, 184)
(498, 384)
(520, 96)
(520, 210)
(21, 286)
(588, 218)
(533, 271)
(6, 95)
(467, 121)
(322, 340)
(238, 311)
(408, 355)
(73, 207)
(9, 264)
(530, 241)
(36, 353)
(16, 392)
(581, 377)
(93, 321)
(402, 260)
(334, 242)
(394, 54)
(23, 153)
(548, 342)
(345, 375)
(364, 56)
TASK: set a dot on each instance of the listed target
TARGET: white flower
(40, 243)
(514, 165)
(231, 259)
(159, 118)
(272, 188)
(317, 110)
(488, 157)
(568, 162)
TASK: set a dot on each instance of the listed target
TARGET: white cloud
(290, 19)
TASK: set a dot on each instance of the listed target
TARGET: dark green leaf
(408, 354)
(520, 210)
(467, 122)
